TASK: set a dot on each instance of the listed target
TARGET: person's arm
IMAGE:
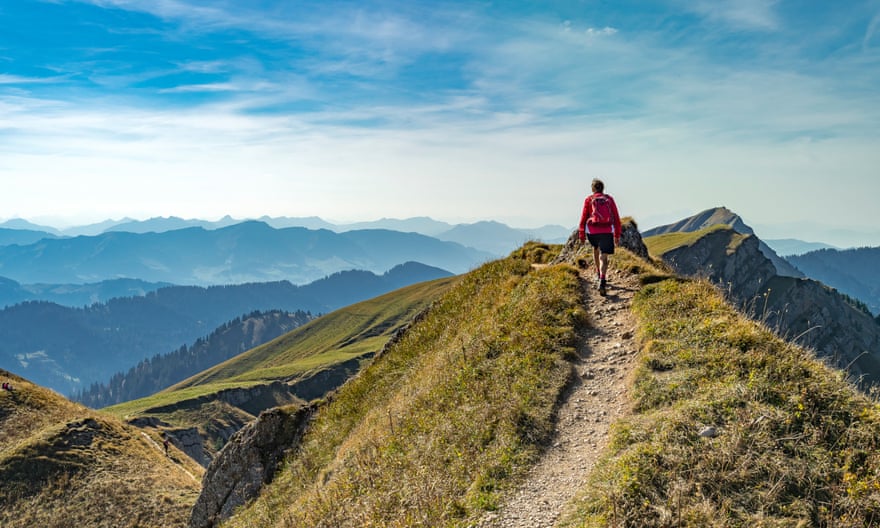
(582, 227)
(618, 228)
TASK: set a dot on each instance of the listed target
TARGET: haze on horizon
(459, 111)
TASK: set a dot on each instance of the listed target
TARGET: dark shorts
(603, 241)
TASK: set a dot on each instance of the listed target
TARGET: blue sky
(461, 111)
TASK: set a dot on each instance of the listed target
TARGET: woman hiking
(600, 224)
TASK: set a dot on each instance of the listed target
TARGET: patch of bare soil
(596, 398)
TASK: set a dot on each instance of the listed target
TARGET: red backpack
(602, 212)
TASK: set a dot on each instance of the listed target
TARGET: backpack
(602, 213)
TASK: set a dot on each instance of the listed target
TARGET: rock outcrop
(247, 463)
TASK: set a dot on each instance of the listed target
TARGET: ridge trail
(161, 450)
(596, 398)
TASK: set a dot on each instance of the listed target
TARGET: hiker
(600, 224)
(7, 386)
(165, 442)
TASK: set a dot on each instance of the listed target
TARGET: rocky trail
(596, 398)
(161, 449)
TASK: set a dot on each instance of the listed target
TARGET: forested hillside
(161, 371)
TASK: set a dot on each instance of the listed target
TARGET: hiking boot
(602, 285)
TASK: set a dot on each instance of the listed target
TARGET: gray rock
(247, 462)
(708, 432)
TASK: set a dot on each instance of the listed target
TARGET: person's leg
(597, 257)
(606, 247)
(603, 265)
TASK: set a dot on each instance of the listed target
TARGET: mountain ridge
(723, 216)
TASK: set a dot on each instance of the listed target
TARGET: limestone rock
(247, 462)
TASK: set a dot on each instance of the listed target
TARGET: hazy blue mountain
(785, 247)
(11, 292)
(309, 222)
(22, 224)
(171, 223)
(855, 272)
(22, 237)
(553, 234)
(246, 252)
(421, 224)
(69, 348)
(94, 229)
(494, 237)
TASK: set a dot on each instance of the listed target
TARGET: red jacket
(586, 227)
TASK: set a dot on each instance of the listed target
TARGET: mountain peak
(710, 217)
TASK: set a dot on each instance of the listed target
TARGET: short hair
(597, 185)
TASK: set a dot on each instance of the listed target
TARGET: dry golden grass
(434, 430)
(795, 445)
(65, 465)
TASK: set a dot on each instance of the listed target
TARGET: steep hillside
(721, 216)
(855, 272)
(806, 311)
(304, 364)
(440, 424)
(732, 426)
(64, 465)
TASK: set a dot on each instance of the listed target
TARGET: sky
(458, 110)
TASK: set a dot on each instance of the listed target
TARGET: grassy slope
(796, 445)
(62, 464)
(659, 245)
(432, 431)
(344, 334)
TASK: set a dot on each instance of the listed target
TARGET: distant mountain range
(493, 237)
(245, 252)
(786, 247)
(68, 348)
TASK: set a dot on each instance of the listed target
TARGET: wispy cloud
(738, 14)
(18, 79)
(872, 29)
(343, 101)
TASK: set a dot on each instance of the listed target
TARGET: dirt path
(161, 449)
(597, 397)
